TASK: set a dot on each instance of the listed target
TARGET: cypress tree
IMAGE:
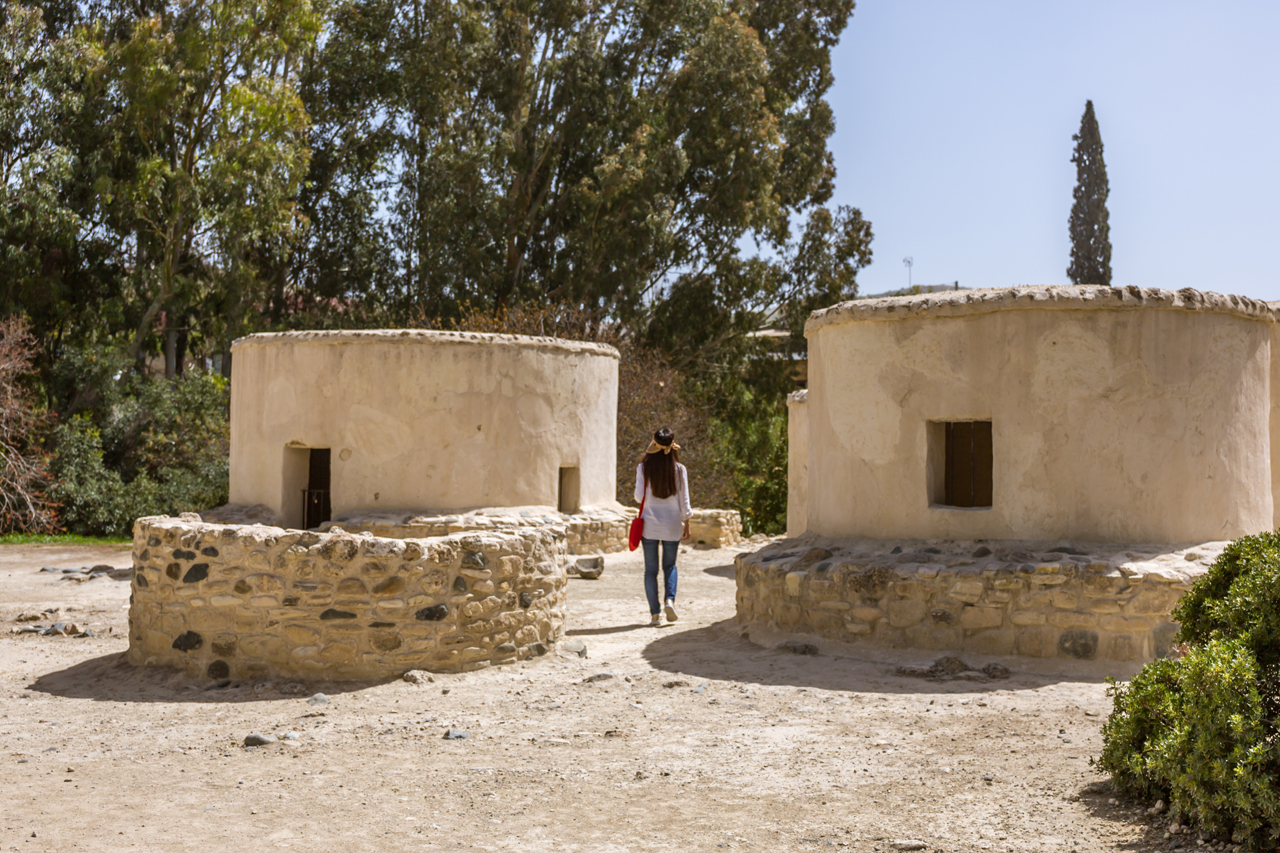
(1090, 230)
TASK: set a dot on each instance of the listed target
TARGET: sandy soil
(702, 740)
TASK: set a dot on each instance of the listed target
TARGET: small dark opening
(315, 497)
(968, 463)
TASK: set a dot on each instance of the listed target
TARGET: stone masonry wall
(715, 528)
(234, 602)
(997, 598)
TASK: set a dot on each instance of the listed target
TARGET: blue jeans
(669, 550)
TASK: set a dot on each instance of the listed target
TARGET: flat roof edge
(409, 337)
(958, 303)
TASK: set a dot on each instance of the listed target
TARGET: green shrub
(1201, 729)
(138, 446)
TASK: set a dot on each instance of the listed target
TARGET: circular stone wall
(423, 420)
(221, 601)
(1119, 415)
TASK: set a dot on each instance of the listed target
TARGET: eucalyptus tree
(207, 101)
(570, 151)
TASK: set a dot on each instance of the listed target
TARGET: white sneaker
(671, 610)
(655, 620)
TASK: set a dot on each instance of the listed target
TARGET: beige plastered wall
(422, 419)
(1117, 414)
(797, 462)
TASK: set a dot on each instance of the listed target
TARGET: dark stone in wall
(390, 586)
(218, 670)
(331, 614)
(188, 642)
(290, 601)
(1163, 637)
(224, 650)
(182, 554)
(242, 587)
(196, 573)
(141, 580)
(209, 552)
(459, 584)
(473, 559)
(1079, 643)
(432, 614)
(538, 649)
(942, 617)
(382, 624)
(173, 570)
(526, 600)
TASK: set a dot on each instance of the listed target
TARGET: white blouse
(664, 518)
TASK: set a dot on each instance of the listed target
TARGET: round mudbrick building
(327, 424)
(1040, 413)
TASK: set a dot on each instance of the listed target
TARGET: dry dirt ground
(701, 740)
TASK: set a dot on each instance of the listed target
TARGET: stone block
(913, 589)
(905, 612)
(787, 615)
(794, 582)
(1038, 642)
(1026, 618)
(1104, 606)
(1119, 647)
(1064, 599)
(979, 618)
(968, 592)
(1157, 601)
(867, 614)
(820, 590)
(1069, 619)
(1124, 624)
(859, 629)
(824, 621)
(1163, 637)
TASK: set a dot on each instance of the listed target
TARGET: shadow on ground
(111, 678)
(719, 652)
(721, 571)
(1097, 798)
(612, 629)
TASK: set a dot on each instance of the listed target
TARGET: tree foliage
(1089, 225)
(178, 174)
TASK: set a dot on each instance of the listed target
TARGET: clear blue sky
(954, 124)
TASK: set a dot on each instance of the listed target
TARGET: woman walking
(662, 487)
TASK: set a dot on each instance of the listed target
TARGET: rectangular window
(570, 488)
(960, 464)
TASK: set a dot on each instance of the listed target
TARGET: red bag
(637, 523)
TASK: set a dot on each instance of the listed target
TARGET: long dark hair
(660, 468)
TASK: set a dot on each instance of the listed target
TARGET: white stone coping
(798, 398)
(960, 303)
(1172, 563)
(422, 337)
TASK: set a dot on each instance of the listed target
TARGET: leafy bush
(1202, 729)
(136, 445)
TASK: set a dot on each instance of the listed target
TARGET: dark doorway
(570, 490)
(968, 461)
(315, 497)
